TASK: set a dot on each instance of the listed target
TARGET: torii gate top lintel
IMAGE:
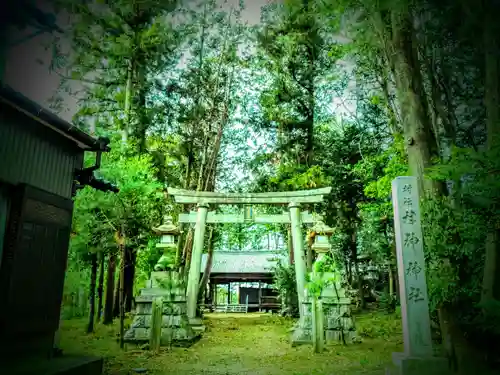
(207, 197)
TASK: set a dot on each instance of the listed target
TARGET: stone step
(144, 321)
(148, 298)
(161, 291)
(193, 322)
(198, 329)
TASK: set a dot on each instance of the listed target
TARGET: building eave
(50, 120)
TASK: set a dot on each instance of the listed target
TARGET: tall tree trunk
(183, 237)
(180, 247)
(128, 103)
(396, 279)
(100, 286)
(129, 277)
(311, 67)
(116, 293)
(121, 287)
(212, 164)
(391, 280)
(199, 185)
(420, 140)
(347, 265)
(110, 287)
(492, 103)
(93, 278)
(359, 279)
(142, 126)
(188, 249)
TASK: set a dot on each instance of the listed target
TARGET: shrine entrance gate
(294, 217)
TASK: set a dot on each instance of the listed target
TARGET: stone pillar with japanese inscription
(418, 356)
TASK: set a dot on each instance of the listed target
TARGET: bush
(285, 283)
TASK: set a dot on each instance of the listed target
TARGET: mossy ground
(255, 344)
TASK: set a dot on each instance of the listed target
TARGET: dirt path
(244, 344)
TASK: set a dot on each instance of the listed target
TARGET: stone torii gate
(203, 199)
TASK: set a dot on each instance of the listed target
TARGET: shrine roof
(243, 261)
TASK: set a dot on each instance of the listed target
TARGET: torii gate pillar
(298, 252)
(195, 266)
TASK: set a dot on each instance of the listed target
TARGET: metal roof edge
(47, 118)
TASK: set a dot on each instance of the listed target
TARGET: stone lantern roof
(320, 228)
(168, 227)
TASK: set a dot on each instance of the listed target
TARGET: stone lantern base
(337, 320)
(176, 330)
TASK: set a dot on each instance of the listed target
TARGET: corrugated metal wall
(27, 156)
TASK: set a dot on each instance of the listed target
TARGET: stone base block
(301, 335)
(407, 365)
(198, 329)
(350, 337)
(183, 337)
(195, 322)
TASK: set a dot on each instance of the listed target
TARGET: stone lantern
(321, 243)
(161, 307)
(168, 242)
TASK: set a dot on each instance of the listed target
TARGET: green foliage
(317, 282)
(377, 171)
(147, 257)
(387, 302)
(285, 283)
(455, 227)
(377, 325)
(488, 322)
(99, 216)
(292, 177)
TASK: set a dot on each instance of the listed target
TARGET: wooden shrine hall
(253, 269)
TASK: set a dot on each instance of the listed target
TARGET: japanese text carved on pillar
(411, 267)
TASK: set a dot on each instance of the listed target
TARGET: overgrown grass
(380, 325)
(257, 344)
